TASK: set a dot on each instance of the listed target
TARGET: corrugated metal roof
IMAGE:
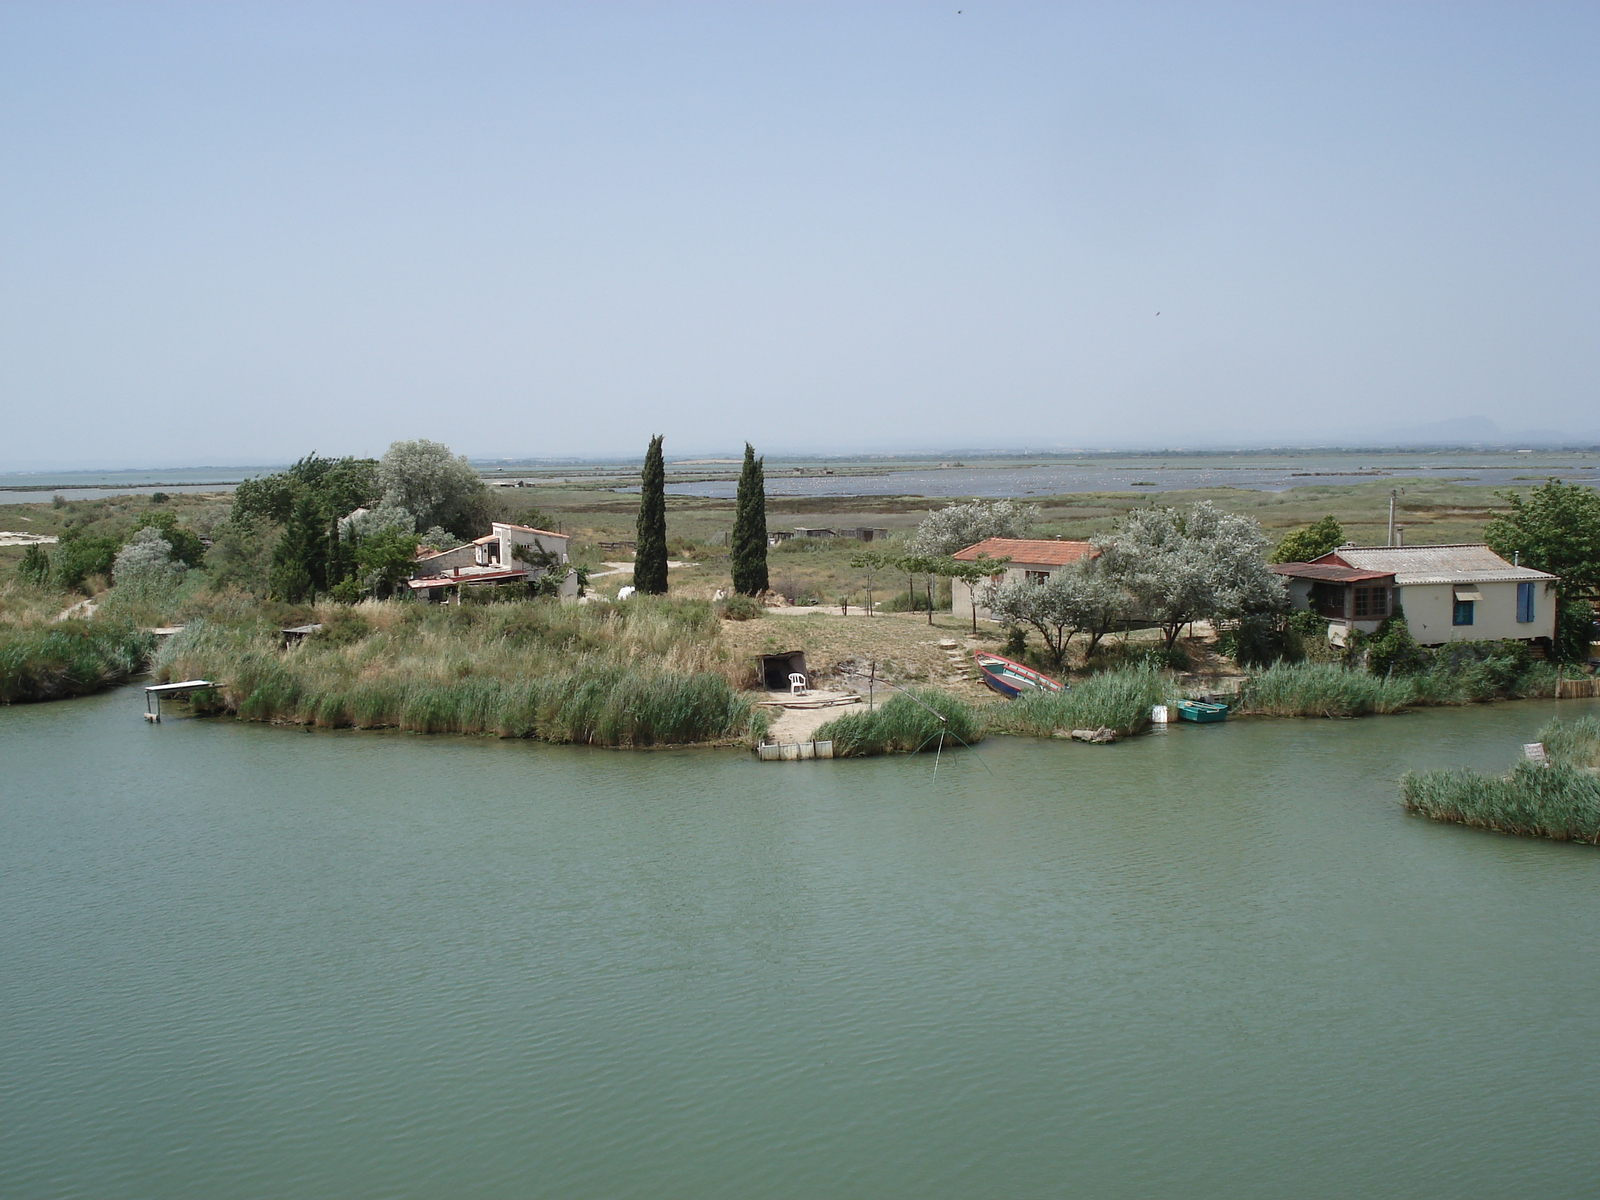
(1027, 551)
(1462, 563)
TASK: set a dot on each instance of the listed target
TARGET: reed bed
(1117, 700)
(639, 674)
(902, 725)
(1330, 690)
(1560, 801)
(1323, 690)
(71, 658)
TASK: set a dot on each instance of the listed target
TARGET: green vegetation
(1117, 700)
(904, 725)
(643, 673)
(1322, 690)
(748, 542)
(1560, 801)
(1303, 545)
(1461, 673)
(650, 547)
(70, 658)
(1556, 528)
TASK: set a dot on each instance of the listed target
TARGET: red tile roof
(1027, 551)
(1329, 572)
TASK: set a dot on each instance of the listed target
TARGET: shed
(775, 669)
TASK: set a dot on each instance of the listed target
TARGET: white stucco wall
(961, 597)
(1430, 608)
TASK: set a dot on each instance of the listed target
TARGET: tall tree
(1303, 545)
(1182, 566)
(300, 561)
(650, 552)
(957, 526)
(749, 541)
(1556, 528)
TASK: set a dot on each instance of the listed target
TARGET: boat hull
(1012, 679)
(1201, 712)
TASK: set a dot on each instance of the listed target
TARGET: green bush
(903, 726)
(738, 607)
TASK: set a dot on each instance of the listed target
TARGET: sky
(235, 233)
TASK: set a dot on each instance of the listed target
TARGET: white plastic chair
(797, 683)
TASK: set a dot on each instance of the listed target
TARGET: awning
(1468, 593)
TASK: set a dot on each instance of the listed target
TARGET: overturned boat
(1011, 679)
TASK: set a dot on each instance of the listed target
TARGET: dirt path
(799, 724)
(83, 609)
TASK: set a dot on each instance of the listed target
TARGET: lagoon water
(254, 962)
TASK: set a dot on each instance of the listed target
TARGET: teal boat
(1199, 710)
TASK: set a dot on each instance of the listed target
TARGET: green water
(250, 962)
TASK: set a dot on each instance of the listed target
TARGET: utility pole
(1393, 492)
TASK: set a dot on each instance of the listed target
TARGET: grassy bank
(1561, 801)
(72, 658)
(1116, 700)
(560, 673)
(1331, 690)
(902, 725)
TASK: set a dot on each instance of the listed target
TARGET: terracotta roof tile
(1027, 551)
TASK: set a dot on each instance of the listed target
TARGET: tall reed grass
(903, 726)
(1116, 700)
(644, 673)
(72, 658)
(1309, 689)
(1560, 801)
(1322, 690)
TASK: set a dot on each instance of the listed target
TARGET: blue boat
(1011, 679)
(1199, 710)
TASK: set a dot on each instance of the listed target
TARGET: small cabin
(1454, 593)
(1032, 560)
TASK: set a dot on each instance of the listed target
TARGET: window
(1371, 603)
(1036, 576)
(1524, 603)
(1463, 613)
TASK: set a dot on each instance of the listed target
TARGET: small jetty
(156, 692)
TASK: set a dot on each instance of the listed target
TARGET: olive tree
(434, 486)
(144, 569)
(957, 526)
(1081, 598)
(1186, 565)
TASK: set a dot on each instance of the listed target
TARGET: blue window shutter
(1524, 603)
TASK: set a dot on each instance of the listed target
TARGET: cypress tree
(300, 559)
(650, 552)
(748, 545)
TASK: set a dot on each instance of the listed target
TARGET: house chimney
(1400, 535)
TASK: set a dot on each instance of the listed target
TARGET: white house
(1458, 593)
(507, 554)
(1032, 560)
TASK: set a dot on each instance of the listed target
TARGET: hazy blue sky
(235, 232)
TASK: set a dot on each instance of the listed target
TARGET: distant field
(1434, 507)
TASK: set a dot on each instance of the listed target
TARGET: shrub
(738, 607)
(903, 725)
